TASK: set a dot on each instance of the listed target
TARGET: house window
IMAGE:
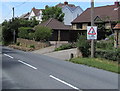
(79, 26)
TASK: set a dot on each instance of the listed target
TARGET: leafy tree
(12, 25)
(7, 35)
(8, 28)
(28, 23)
(42, 33)
(53, 12)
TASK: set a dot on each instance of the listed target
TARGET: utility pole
(13, 12)
(14, 30)
(92, 24)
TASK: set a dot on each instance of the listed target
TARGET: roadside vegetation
(106, 56)
(98, 63)
(66, 46)
(19, 26)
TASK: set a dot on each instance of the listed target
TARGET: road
(25, 70)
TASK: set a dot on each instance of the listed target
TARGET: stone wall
(27, 43)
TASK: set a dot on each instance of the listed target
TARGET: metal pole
(92, 24)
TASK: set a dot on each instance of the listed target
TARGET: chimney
(33, 8)
(65, 3)
(117, 3)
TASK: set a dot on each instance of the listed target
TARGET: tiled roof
(105, 13)
(55, 24)
(25, 15)
(36, 11)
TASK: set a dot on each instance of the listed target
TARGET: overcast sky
(26, 6)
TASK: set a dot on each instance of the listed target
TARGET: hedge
(110, 55)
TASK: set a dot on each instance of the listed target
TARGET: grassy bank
(98, 63)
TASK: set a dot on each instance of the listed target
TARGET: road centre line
(64, 82)
(27, 64)
(8, 56)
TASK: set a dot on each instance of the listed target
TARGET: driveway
(63, 55)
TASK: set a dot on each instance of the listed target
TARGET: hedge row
(66, 46)
(110, 55)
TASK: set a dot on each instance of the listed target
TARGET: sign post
(92, 24)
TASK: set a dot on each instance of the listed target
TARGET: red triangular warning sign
(92, 31)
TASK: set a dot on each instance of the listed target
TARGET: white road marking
(64, 82)
(8, 56)
(27, 64)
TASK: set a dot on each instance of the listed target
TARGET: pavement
(45, 50)
(25, 70)
(63, 54)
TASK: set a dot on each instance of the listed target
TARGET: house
(61, 32)
(37, 13)
(104, 17)
(71, 12)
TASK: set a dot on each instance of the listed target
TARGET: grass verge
(98, 63)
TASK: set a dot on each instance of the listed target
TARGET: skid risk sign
(91, 32)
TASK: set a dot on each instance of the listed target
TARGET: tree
(42, 33)
(28, 23)
(8, 28)
(13, 25)
(53, 12)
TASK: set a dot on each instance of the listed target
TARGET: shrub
(32, 46)
(23, 32)
(65, 46)
(108, 45)
(31, 36)
(83, 45)
(113, 55)
(42, 33)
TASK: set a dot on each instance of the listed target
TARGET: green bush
(113, 55)
(83, 45)
(108, 45)
(65, 46)
(31, 36)
(42, 33)
(32, 46)
(23, 32)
